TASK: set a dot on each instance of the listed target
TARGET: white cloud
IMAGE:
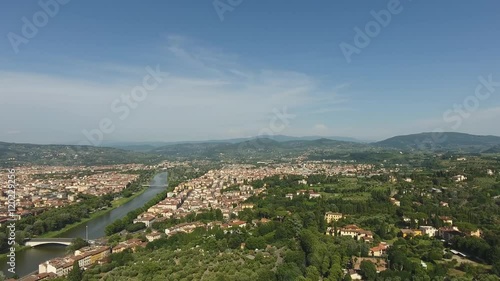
(207, 95)
(481, 120)
(13, 132)
(320, 128)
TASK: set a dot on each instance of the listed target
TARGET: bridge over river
(43, 249)
(43, 241)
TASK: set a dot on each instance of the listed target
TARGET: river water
(28, 260)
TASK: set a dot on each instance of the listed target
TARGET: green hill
(261, 148)
(494, 149)
(14, 154)
(441, 141)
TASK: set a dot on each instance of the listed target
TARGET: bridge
(43, 241)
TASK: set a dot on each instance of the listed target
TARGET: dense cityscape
(374, 207)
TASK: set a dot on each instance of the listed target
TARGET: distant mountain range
(149, 146)
(14, 154)
(441, 141)
(283, 146)
(423, 141)
(279, 147)
(254, 148)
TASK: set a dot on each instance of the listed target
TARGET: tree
(368, 270)
(288, 272)
(20, 237)
(218, 215)
(487, 277)
(38, 227)
(77, 244)
(496, 268)
(253, 243)
(290, 228)
(335, 271)
(347, 277)
(76, 273)
(312, 273)
(264, 274)
(297, 257)
(135, 227)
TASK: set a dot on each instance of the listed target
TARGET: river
(28, 260)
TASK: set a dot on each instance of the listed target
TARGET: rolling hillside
(14, 154)
(441, 142)
(494, 149)
(261, 148)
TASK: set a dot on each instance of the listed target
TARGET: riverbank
(53, 234)
(115, 204)
(146, 188)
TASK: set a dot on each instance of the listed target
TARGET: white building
(459, 178)
(428, 230)
(331, 217)
(59, 266)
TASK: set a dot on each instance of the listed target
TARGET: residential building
(353, 231)
(410, 232)
(331, 217)
(58, 266)
(395, 202)
(475, 233)
(428, 230)
(379, 250)
(132, 244)
(314, 195)
(154, 235)
(446, 220)
(85, 257)
(447, 233)
(147, 219)
(459, 178)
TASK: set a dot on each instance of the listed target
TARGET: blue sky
(228, 78)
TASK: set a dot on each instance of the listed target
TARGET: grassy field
(484, 181)
(349, 188)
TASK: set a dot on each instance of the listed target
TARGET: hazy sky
(234, 77)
